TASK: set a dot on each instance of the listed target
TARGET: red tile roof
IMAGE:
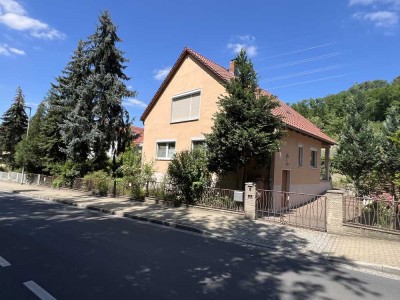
(139, 131)
(292, 118)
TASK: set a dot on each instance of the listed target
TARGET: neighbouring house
(181, 112)
(138, 141)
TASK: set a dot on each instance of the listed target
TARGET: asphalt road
(67, 253)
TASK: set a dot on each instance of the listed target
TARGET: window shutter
(195, 109)
(180, 109)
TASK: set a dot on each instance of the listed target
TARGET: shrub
(379, 211)
(58, 182)
(134, 173)
(66, 173)
(189, 174)
(100, 181)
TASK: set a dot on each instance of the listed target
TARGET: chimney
(232, 66)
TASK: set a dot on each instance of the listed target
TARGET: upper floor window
(165, 150)
(185, 107)
(313, 158)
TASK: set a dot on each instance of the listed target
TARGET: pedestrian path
(381, 255)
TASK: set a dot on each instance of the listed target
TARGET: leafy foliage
(100, 180)
(189, 174)
(389, 165)
(29, 152)
(244, 127)
(356, 155)
(135, 174)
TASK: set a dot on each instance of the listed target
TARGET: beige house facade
(182, 110)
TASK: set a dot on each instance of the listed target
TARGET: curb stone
(328, 259)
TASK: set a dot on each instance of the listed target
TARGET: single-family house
(181, 112)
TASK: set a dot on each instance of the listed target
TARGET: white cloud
(246, 42)
(160, 74)
(236, 48)
(373, 2)
(379, 18)
(134, 102)
(14, 16)
(382, 14)
(7, 50)
(246, 38)
(361, 2)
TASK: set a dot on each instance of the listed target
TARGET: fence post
(250, 200)
(38, 180)
(334, 211)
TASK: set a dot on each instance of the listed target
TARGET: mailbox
(238, 196)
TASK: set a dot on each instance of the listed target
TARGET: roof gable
(291, 118)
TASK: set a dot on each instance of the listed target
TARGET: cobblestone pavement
(380, 255)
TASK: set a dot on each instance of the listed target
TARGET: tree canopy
(244, 127)
(13, 128)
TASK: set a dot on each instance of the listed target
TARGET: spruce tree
(390, 150)
(29, 152)
(107, 82)
(78, 102)
(357, 153)
(54, 117)
(244, 128)
(13, 128)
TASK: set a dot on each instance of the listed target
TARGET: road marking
(4, 263)
(38, 291)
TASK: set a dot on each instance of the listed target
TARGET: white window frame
(316, 158)
(164, 142)
(197, 91)
(300, 159)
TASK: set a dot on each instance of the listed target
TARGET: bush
(66, 173)
(58, 182)
(379, 211)
(134, 173)
(100, 182)
(189, 174)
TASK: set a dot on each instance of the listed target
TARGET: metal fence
(220, 199)
(372, 212)
(304, 210)
(160, 190)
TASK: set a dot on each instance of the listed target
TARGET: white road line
(4, 263)
(38, 291)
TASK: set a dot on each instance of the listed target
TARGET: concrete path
(378, 255)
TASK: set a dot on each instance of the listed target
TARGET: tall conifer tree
(244, 128)
(13, 128)
(357, 153)
(78, 103)
(30, 151)
(107, 82)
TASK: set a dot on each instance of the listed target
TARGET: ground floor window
(300, 156)
(313, 159)
(165, 150)
(198, 144)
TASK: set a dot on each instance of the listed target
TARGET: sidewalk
(378, 255)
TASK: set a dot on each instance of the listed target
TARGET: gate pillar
(334, 211)
(250, 203)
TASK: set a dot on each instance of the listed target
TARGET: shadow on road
(138, 259)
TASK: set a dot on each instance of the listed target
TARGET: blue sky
(300, 49)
